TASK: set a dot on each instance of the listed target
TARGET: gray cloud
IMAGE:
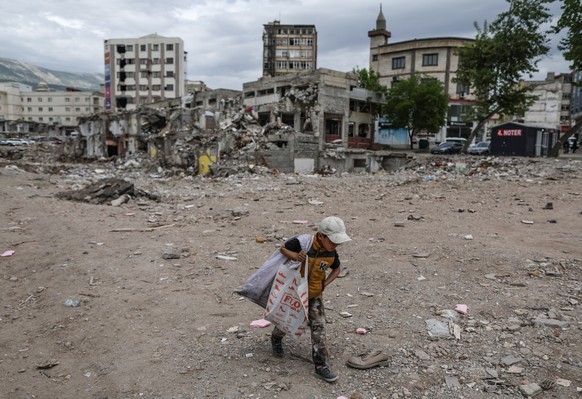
(224, 37)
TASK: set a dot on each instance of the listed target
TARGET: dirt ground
(158, 316)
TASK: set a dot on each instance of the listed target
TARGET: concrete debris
(104, 191)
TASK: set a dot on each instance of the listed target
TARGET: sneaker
(326, 374)
(277, 346)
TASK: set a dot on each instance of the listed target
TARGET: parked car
(461, 140)
(447, 148)
(481, 148)
(14, 142)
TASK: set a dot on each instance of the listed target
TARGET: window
(67, 119)
(169, 74)
(68, 109)
(169, 47)
(169, 60)
(40, 119)
(67, 100)
(129, 47)
(40, 99)
(29, 109)
(430, 59)
(142, 47)
(50, 119)
(87, 109)
(398, 62)
(77, 99)
(156, 47)
(375, 57)
(156, 74)
(77, 109)
(87, 99)
(28, 99)
(39, 109)
(462, 89)
(143, 87)
(156, 87)
(169, 87)
(143, 61)
(50, 99)
(50, 109)
(156, 61)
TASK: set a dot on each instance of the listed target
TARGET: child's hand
(300, 256)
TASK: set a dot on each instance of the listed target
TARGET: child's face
(326, 243)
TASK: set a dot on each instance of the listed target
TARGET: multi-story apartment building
(576, 100)
(552, 106)
(288, 48)
(49, 111)
(143, 70)
(435, 57)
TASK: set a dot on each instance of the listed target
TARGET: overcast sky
(223, 38)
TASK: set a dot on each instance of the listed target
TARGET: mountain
(32, 75)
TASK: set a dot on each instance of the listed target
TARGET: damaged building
(334, 122)
(316, 121)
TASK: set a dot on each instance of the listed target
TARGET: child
(322, 255)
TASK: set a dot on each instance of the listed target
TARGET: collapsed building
(316, 121)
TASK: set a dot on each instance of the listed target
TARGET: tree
(570, 22)
(502, 53)
(418, 103)
(370, 80)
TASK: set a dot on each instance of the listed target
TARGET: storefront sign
(509, 132)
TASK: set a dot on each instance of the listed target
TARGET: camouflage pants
(319, 352)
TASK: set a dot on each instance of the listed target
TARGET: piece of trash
(261, 323)
(315, 202)
(345, 314)
(224, 257)
(527, 222)
(168, 255)
(447, 313)
(8, 253)
(421, 278)
(48, 364)
(361, 331)
(437, 328)
(73, 303)
(549, 205)
(300, 222)
(464, 309)
(421, 255)
(342, 397)
(468, 237)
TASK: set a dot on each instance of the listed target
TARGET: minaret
(380, 35)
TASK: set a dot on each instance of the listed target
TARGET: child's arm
(332, 276)
(298, 256)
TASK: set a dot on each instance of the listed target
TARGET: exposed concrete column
(297, 121)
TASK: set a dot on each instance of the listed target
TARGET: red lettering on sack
(291, 301)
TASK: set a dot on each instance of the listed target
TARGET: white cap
(334, 228)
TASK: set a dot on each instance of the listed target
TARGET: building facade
(435, 57)
(288, 49)
(43, 110)
(552, 107)
(143, 70)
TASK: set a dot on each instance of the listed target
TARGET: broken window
(332, 127)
